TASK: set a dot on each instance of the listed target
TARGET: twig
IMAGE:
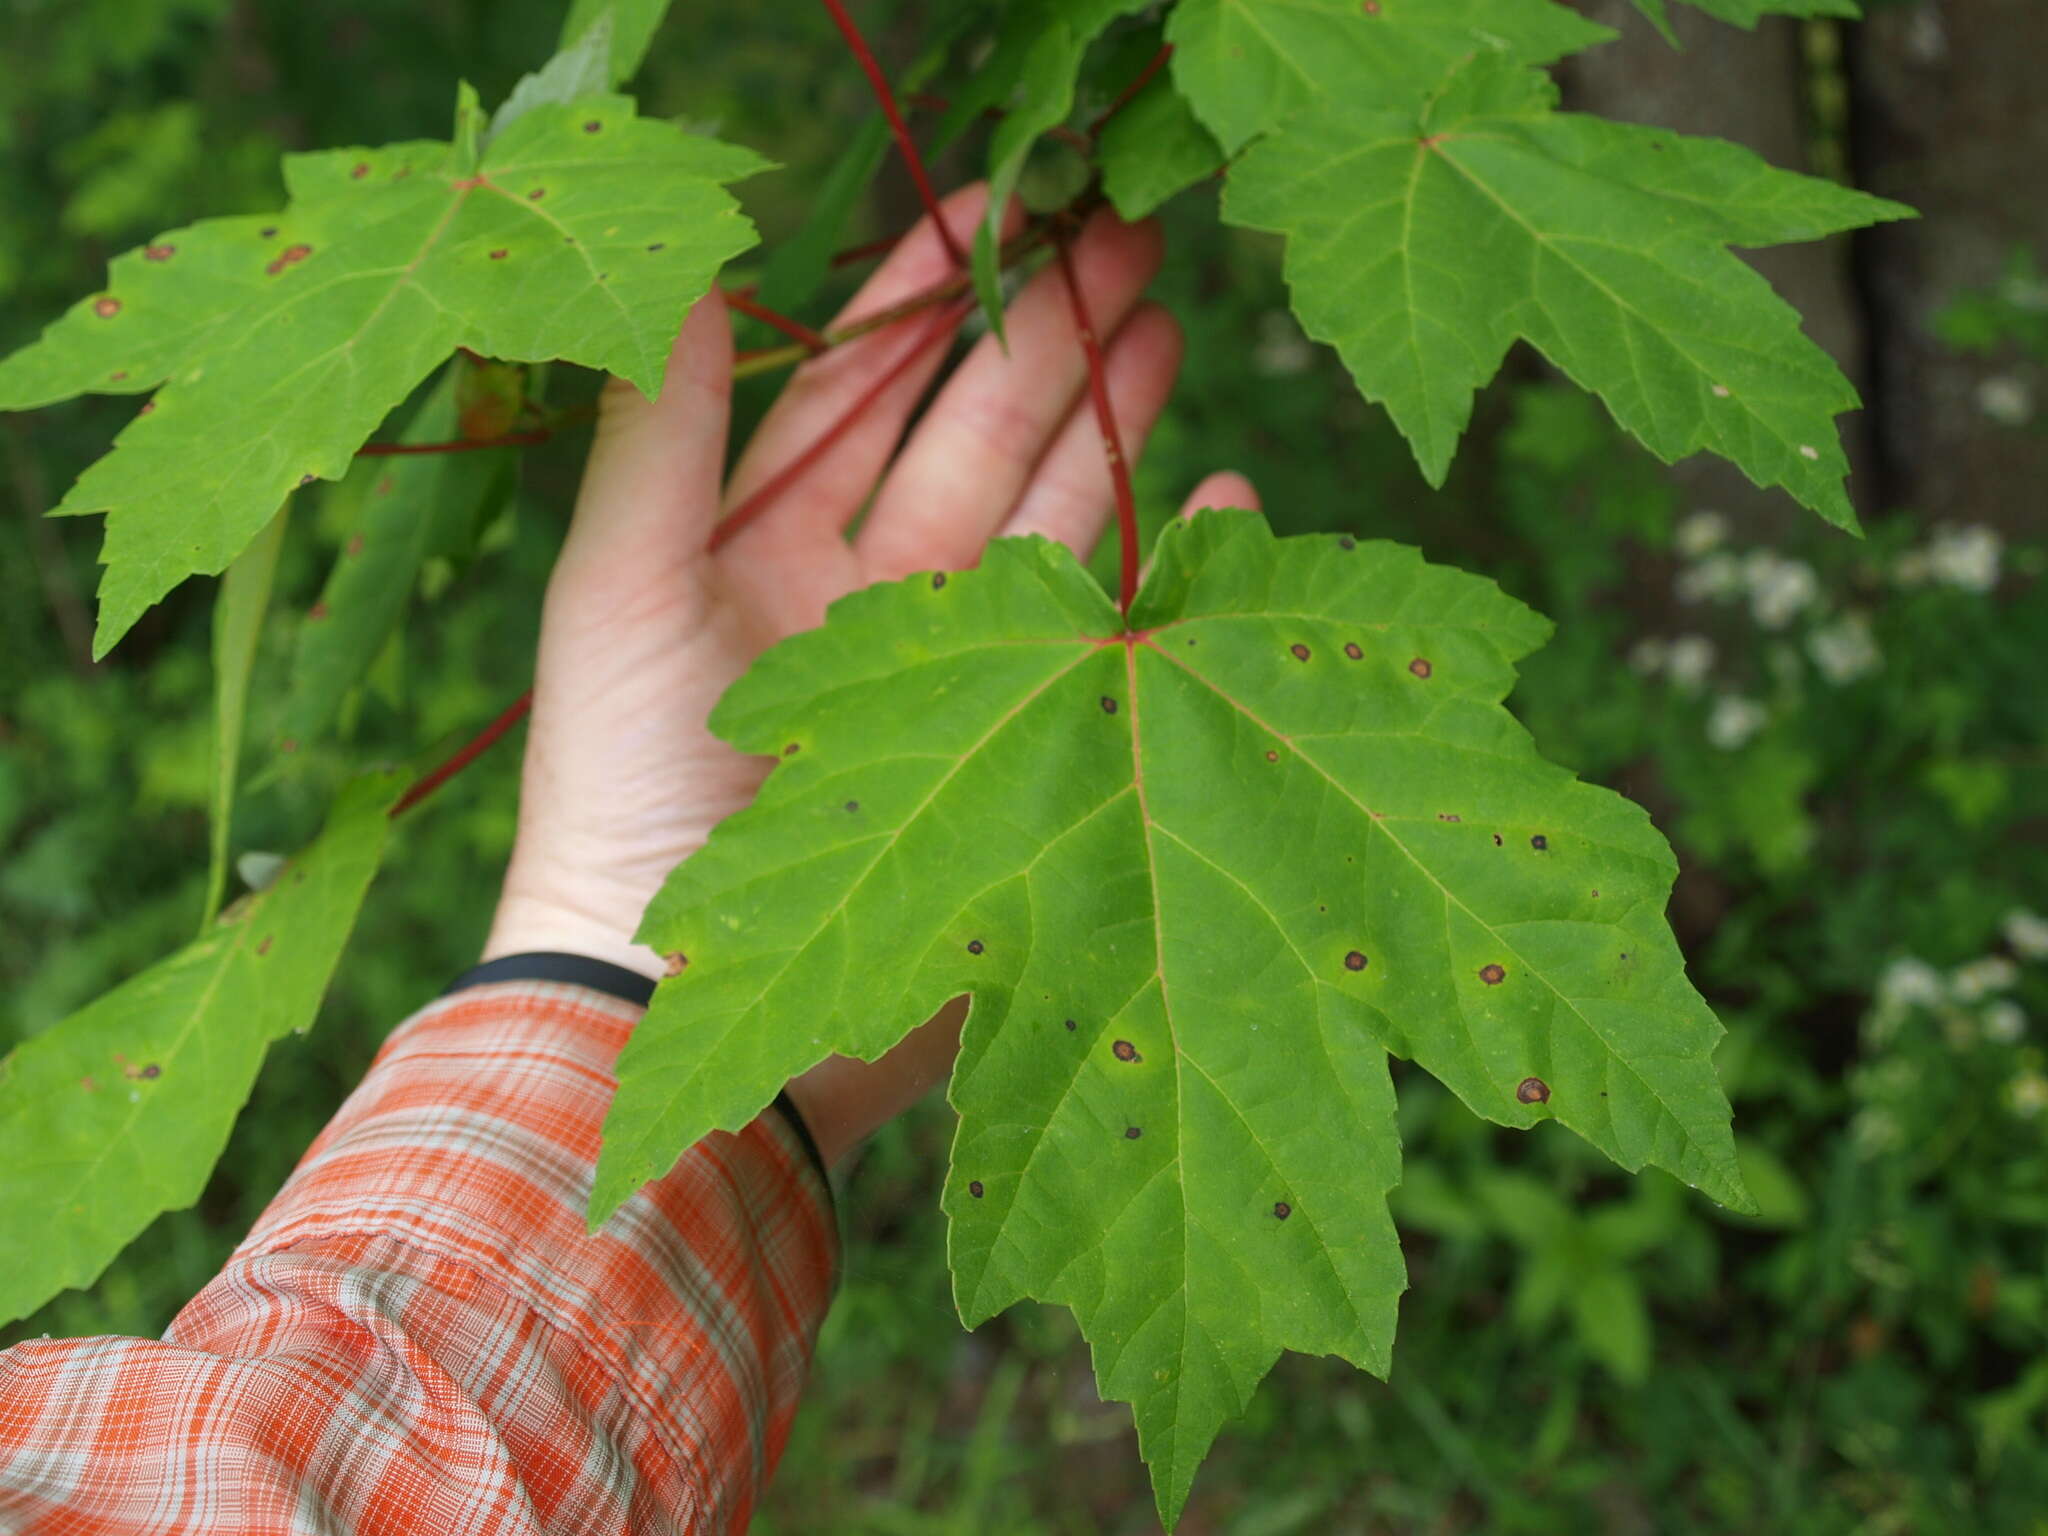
(744, 301)
(1105, 418)
(1129, 93)
(941, 326)
(476, 748)
(905, 145)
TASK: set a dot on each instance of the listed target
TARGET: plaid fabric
(419, 1337)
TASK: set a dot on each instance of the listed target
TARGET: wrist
(525, 924)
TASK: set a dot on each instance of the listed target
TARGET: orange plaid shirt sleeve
(419, 1337)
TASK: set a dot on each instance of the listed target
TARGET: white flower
(1689, 660)
(2030, 1094)
(2006, 399)
(1844, 650)
(1734, 720)
(1701, 533)
(1980, 978)
(1778, 588)
(1281, 348)
(1965, 557)
(1647, 655)
(2027, 933)
(1716, 576)
(2004, 1021)
(1910, 983)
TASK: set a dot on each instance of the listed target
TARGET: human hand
(645, 626)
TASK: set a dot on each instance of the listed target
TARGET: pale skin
(644, 626)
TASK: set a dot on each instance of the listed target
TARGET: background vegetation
(1846, 741)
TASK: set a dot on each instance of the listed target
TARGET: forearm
(420, 1324)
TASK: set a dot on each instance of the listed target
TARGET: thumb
(651, 486)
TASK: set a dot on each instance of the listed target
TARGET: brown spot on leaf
(147, 407)
(151, 1071)
(1123, 1050)
(107, 308)
(1347, 543)
(659, 245)
(355, 544)
(1070, 1024)
(317, 611)
(593, 126)
(1420, 666)
(852, 806)
(1355, 961)
(792, 749)
(675, 963)
(975, 946)
(290, 256)
(1282, 1210)
(499, 255)
(536, 194)
(1299, 651)
(1496, 840)
(1492, 975)
(1539, 842)
(974, 1188)
(1272, 756)
(1108, 705)
(1533, 1090)
(1352, 650)
(263, 947)
(117, 375)
(289, 745)
(1448, 816)
(88, 1085)
(938, 580)
(362, 169)
(1132, 1133)
(270, 232)
(159, 252)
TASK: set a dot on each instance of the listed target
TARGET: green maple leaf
(118, 1113)
(1153, 149)
(1246, 65)
(1199, 883)
(1423, 243)
(282, 340)
(1747, 13)
(397, 511)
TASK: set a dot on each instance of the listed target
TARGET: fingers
(650, 486)
(1070, 496)
(1225, 488)
(972, 455)
(822, 390)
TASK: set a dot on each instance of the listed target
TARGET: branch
(476, 748)
(905, 145)
(1129, 93)
(746, 304)
(463, 445)
(941, 325)
(1105, 418)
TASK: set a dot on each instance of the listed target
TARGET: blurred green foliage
(1844, 740)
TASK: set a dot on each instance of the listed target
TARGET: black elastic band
(628, 986)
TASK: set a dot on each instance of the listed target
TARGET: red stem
(905, 145)
(796, 330)
(941, 325)
(1130, 92)
(466, 445)
(1105, 418)
(478, 745)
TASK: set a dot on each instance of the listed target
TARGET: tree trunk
(1948, 118)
